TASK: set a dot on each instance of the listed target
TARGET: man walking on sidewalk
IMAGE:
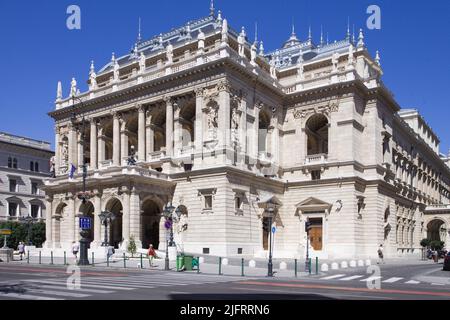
(21, 249)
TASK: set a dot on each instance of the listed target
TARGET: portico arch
(114, 205)
(437, 230)
(151, 215)
(317, 134)
(58, 220)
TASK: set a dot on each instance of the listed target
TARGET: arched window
(36, 166)
(264, 123)
(317, 132)
(31, 166)
(15, 163)
(9, 162)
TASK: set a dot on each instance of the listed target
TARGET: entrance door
(316, 234)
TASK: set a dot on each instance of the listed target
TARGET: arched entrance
(317, 133)
(115, 229)
(436, 230)
(59, 219)
(150, 221)
(87, 209)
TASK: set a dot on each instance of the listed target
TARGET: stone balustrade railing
(316, 158)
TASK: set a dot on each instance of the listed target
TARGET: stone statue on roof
(73, 87)
(241, 42)
(169, 53)
(142, 62)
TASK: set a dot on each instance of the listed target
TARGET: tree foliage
(132, 246)
(20, 233)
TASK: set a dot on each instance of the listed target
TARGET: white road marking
(392, 280)
(58, 293)
(333, 277)
(371, 279)
(350, 278)
(83, 285)
(412, 282)
(63, 287)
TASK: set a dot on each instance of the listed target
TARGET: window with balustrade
(317, 135)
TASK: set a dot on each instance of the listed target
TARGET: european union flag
(72, 171)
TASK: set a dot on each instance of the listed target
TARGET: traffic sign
(5, 232)
(85, 223)
(168, 224)
(274, 229)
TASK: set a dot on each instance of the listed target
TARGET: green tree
(132, 247)
(437, 245)
(20, 233)
(425, 243)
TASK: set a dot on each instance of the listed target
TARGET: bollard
(28, 257)
(242, 267)
(142, 263)
(310, 263)
(93, 259)
(198, 266)
(51, 257)
(124, 261)
(40, 257)
(317, 265)
(65, 258)
(220, 266)
(295, 266)
(107, 260)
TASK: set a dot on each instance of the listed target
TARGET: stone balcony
(316, 159)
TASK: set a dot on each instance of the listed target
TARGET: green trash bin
(180, 262)
(188, 262)
(195, 263)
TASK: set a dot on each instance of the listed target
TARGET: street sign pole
(4, 245)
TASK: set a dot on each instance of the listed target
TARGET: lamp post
(29, 221)
(131, 161)
(83, 196)
(106, 218)
(170, 217)
(270, 210)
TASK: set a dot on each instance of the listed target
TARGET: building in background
(24, 164)
(221, 129)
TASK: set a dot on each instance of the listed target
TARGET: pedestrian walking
(110, 252)
(380, 254)
(21, 248)
(151, 254)
(75, 249)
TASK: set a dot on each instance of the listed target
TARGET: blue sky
(37, 49)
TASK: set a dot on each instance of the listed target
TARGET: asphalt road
(389, 282)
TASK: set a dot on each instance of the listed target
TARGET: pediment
(312, 204)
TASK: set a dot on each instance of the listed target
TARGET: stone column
(48, 222)
(243, 127)
(274, 138)
(149, 137)
(97, 222)
(126, 217)
(256, 133)
(224, 113)
(199, 94)
(169, 126)
(141, 134)
(80, 149)
(57, 150)
(135, 217)
(72, 140)
(71, 220)
(177, 131)
(93, 163)
(116, 140)
(123, 144)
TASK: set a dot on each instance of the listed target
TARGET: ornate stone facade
(219, 131)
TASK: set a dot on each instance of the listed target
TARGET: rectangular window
(208, 201)
(205, 250)
(13, 209)
(34, 188)
(34, 210)
(237, 203)
(12, 185)
(315, 175)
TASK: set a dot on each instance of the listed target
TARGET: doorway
(316, 234)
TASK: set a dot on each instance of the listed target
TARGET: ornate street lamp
(131, 161)
(167, 213)
(106, 218)
(29, 220)
(270, 211)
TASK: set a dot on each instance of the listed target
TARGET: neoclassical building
(220, 128)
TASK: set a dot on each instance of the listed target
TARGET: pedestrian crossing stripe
(392, 280)
(350, 278)
(343, 277)
(333, 277)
